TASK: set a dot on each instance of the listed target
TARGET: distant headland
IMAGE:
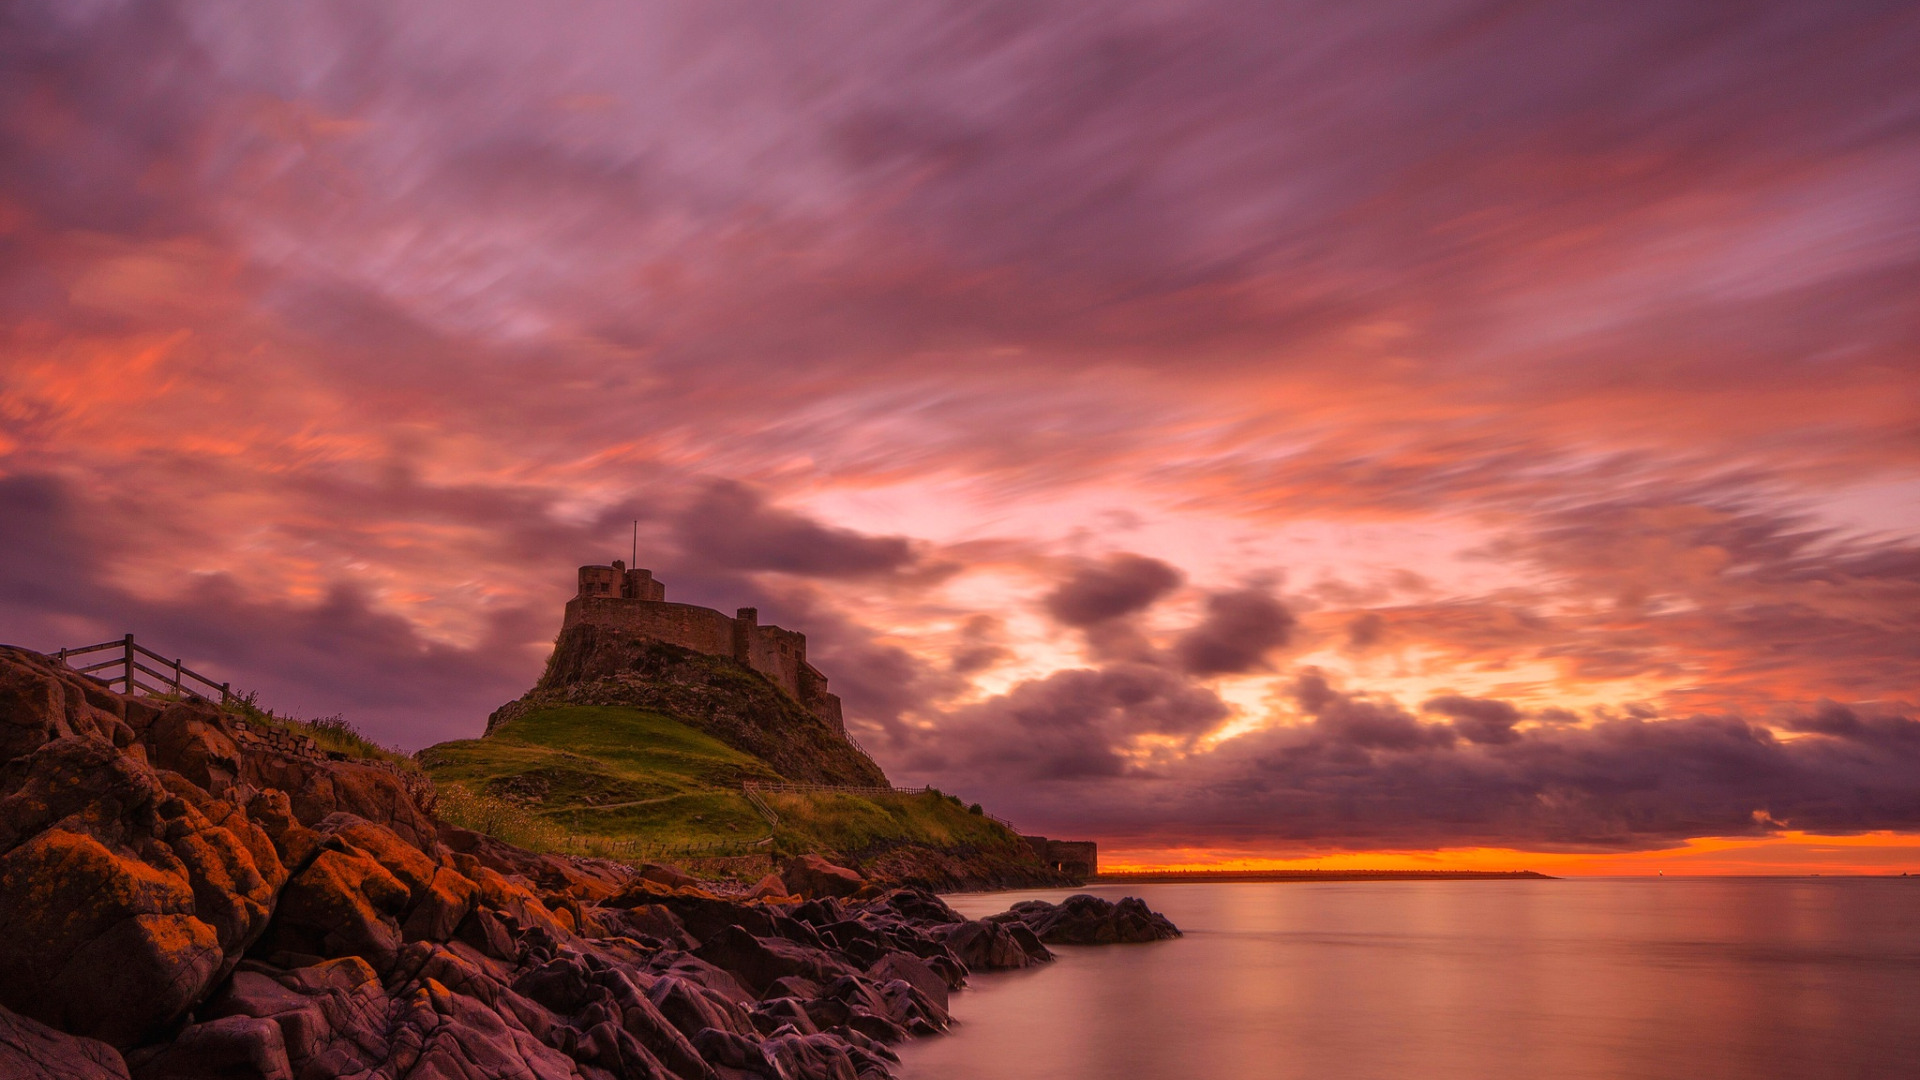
(1173, 876)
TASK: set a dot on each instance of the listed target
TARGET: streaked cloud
(1291, 424)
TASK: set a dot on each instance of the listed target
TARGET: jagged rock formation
(595, 665)
(1088, 920)
(178, 905)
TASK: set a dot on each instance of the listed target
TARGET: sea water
(1582, 979)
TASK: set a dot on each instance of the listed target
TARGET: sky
(1473, 434)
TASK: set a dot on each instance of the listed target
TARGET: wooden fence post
(128, 689)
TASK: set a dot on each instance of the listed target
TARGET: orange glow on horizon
(1787, 853)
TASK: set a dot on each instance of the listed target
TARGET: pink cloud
(1564, 346)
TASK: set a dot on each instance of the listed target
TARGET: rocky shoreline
(178, 904)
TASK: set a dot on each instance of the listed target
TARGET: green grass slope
(610, 773)
(857, 827)
(623, 781)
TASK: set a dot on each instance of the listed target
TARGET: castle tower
(602, 580)
(619, 581)
(746, 624)
(639, 585)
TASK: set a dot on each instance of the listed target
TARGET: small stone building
(631, 600)
(1080, 858)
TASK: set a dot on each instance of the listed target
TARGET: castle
(633, 602)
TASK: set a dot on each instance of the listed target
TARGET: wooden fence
(760, 806)
(172, 678)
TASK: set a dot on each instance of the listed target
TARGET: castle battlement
(630, 600)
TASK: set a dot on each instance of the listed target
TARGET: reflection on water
(1549, 980)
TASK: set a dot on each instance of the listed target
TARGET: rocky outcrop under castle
(594, 665)
(181, 902)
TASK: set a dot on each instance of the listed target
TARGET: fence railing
(788, 788)
(760, 806)
(172, 677)
(855, 743)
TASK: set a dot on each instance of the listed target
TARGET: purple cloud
(1122, 584)
(1240, 629)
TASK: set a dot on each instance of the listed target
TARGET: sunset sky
(1310, 433)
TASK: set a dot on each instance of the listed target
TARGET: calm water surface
(1661, 979)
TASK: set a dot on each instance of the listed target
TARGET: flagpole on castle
(636, 543)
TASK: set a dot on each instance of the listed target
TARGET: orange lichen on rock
(79, 913)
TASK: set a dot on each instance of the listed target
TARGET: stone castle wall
(632, 602)
(703, 630)
(779, 654)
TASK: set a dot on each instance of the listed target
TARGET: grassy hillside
(610, 772)
(636, 749)
(857, 826)
(606, 777)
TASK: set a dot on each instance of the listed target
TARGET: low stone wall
(261, 738)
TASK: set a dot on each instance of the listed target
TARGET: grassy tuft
(331, 733)
(501, 819)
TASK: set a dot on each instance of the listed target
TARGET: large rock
(671, 876)
(41, 702)
(915, 972)
(759, 961)
(333, 1011)
(30, 1050)
(811, 875)
(319, 788)
(1090, 920)
(129, 891)
(343, 904)
(769, 887)
(231, 1048)
(993, 946)
(693, 1007)
(188, 737)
